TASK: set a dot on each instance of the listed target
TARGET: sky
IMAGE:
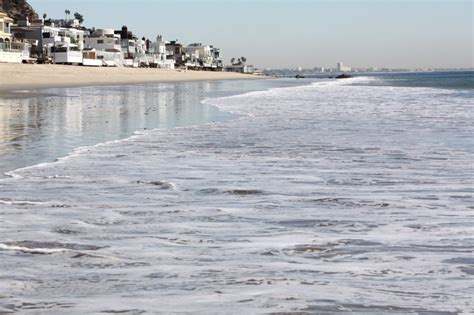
(292, 33)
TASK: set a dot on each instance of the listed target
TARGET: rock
(343, 76)
(17, 9)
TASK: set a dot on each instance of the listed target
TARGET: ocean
(275, 196)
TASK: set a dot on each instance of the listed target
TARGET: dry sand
(20, 76)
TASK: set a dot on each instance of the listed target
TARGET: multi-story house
(60, 44)
(64, 45)
(5, 31)
(11, 50)
(199, 56)
(128, 44)
(157, 54)
(107, 45)
(175, 52)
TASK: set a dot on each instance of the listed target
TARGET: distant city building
(341, 68)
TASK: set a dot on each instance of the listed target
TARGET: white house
(198, 55)
(157, 54)
(9, 52)
(63, 45)
(61, 36)
(103, 39)
(107, 44)
(240, 68)
(89, 58)
(203, 56)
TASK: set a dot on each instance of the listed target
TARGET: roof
(5, 17)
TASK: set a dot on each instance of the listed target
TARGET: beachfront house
(196, 54)
(158, 56)
(202, 57)
(69, 23)
(63, 45)
(240, 68)
(107, 45)
(175, 53)
(217, 64)
(11, 50)
(5, 31)
(90, 58)
(58, 44)
(128, 44)
(141, 55)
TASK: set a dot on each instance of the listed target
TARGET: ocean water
(331, 197)
(457, 80)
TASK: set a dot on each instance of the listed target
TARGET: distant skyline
(292, 33)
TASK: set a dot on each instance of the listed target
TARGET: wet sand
(19, 76)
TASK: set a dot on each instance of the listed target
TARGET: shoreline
(15, 77)
(104, 120)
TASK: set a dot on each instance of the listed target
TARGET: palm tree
(79, 17)
(232, 60)
(45, 16)
(244, 60)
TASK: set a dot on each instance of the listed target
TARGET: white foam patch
(33, 250)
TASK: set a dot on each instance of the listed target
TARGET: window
(46, 35)
(58, 49)
(100, 41)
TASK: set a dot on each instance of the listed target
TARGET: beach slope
(20, 76)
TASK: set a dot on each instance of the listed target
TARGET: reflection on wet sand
(42, 127)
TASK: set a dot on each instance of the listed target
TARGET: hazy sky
(291, 33)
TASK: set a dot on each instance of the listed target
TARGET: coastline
(28, 77)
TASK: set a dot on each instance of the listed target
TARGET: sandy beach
(20, 76)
